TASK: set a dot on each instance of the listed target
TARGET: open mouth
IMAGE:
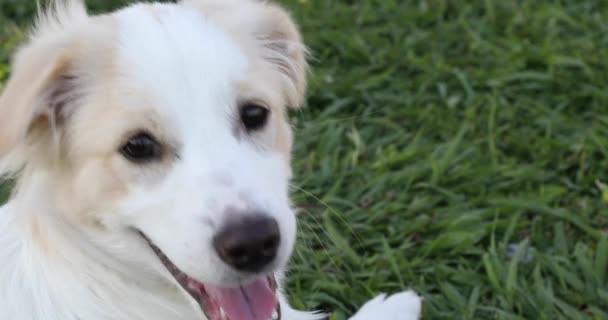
(254, 301)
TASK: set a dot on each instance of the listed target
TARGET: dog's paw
(402, 306)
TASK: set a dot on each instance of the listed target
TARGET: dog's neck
(52, 270)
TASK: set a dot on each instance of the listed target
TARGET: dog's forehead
(188, 64)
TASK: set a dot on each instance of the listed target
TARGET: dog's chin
(254, 301)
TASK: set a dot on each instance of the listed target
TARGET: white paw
(402, 306)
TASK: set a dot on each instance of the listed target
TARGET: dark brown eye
(253, 116)
(140, 148)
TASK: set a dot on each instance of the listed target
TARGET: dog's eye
(142, 147)
(254, 116)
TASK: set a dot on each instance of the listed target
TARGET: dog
(151, 153)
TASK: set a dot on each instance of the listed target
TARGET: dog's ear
(36, 93)
(40, 85)
(272, 31)
(283, 47)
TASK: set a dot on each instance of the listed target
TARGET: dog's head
(168, 123)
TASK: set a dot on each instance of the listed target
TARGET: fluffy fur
(80, 86)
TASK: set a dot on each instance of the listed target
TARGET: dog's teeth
(222, 314)
(275, 315)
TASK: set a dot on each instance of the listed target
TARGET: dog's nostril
(238, 252)
(249, 244)
(270, 246)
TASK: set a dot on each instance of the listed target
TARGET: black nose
(249, 244)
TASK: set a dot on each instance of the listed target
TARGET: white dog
(151, 151)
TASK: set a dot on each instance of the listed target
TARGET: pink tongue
(255, 301)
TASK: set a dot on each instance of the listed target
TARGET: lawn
(459, 148)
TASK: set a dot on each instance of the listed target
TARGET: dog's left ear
(271, 31)
(283, 48)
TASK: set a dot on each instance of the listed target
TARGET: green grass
(437, 134)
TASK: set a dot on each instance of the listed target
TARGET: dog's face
(167, 123)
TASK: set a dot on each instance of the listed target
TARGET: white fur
(402, 306)
(67, 245)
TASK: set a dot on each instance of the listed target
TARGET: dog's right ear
(36, 92)
(40, 84)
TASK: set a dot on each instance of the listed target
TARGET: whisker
(320, 241)
(331, 210)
